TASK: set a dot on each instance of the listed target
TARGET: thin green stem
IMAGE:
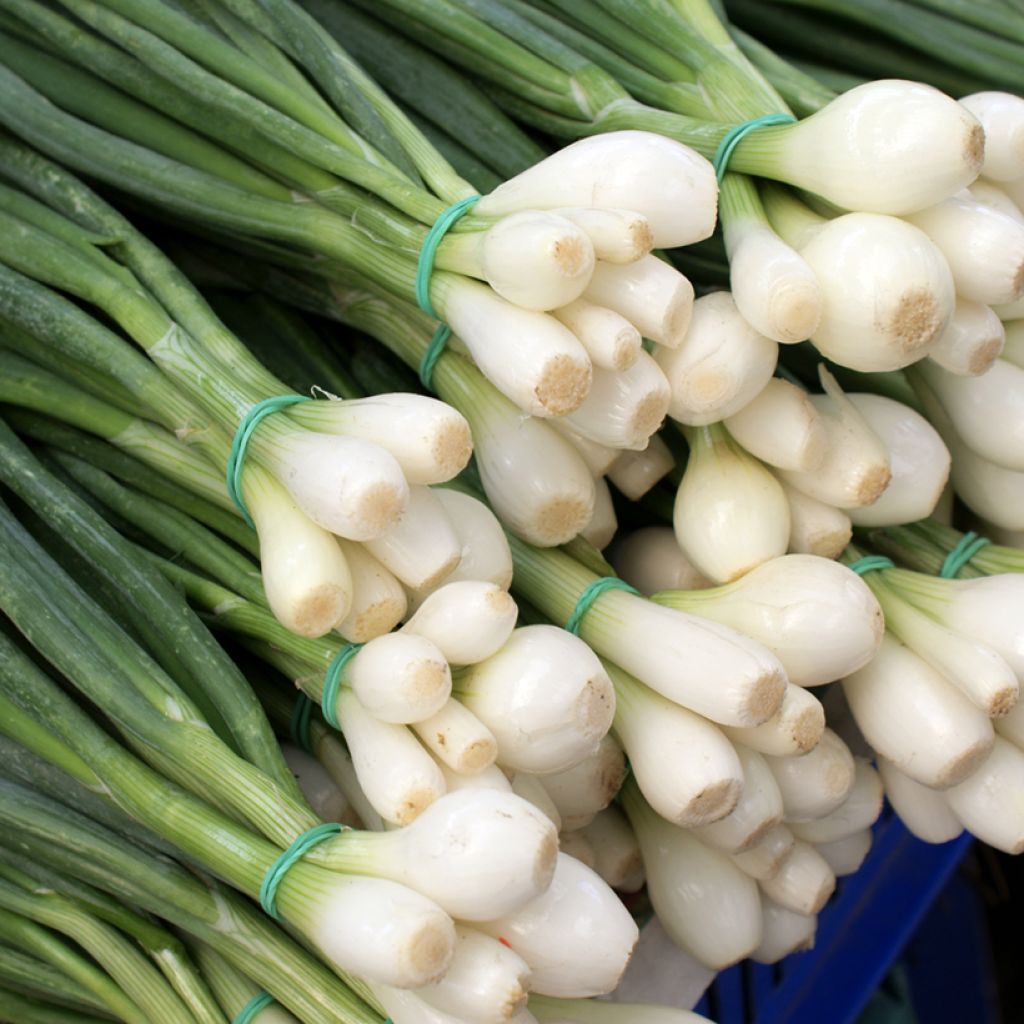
(138, 476)
(72, 844)
(30, 937)
(68, 628)
(124, 962)
(176, 531)
(33, 977)
(155, 609)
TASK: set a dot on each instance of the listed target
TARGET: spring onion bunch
(401, 873)
(475, 745)
(791, 267)
(356, 468)
(950, 667)
(483, 856)
(578, 282)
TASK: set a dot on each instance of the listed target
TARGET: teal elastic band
(424, 272)
(590, 594)
(869, 563)
(438, 343)
(276, 872)
(236, 460)
(735, 136)
(248, 1012)
(332, 682)
(302, 714)
(969, 545)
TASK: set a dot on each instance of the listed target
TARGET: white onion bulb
(651, 294)
(635, 473)
(650, 560)
(911, 715)
(990, 803)
(467, 620)
(730, 513)
(987, 411)
(855, 471)
(817, 783)
(618, 236)
(983, 247)
(577, 936)
(611, 341)
(803, 882)
(703, 901)
(704, 776)
(784, 932)
(1002, 116)
(922, 809)
(971, 342)
(528, 355)
(668, 183)
(534, 734)
(888, 146)
(422, 549)
(485, 550)
(721, 365)
(781, 426)
(918, 461)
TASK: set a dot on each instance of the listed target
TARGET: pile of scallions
(333, 695)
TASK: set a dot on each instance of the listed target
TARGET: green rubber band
(438, 343)
(332, 682)
(967, 547)
(276, 872)
(869, 563)
(424, 272)
(736, 135)
(302, 714)
(250, 421)
(590, 594)
(428, 251)
(247, 1013)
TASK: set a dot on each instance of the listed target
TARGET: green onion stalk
(233, 988)
(928, 545)
(40, 942)
(31, 386)
(375, 488)
(34, 704)
(78, 848)
(34, 1011)
(350, 877)
(136, 451)
(34, 977)
(68, 330)
(181, 645)
(67, 898)
(958, 47)
(144, 701)
(118, 674)
(122, 960)
(347, 175)
(685, 70)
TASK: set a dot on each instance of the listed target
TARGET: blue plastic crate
(861, 933)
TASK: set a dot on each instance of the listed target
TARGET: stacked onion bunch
(730, 760)
(788, 471)
(794, 274)
(380, 906)
(548, 283)
(950, 670)
(337, 490)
